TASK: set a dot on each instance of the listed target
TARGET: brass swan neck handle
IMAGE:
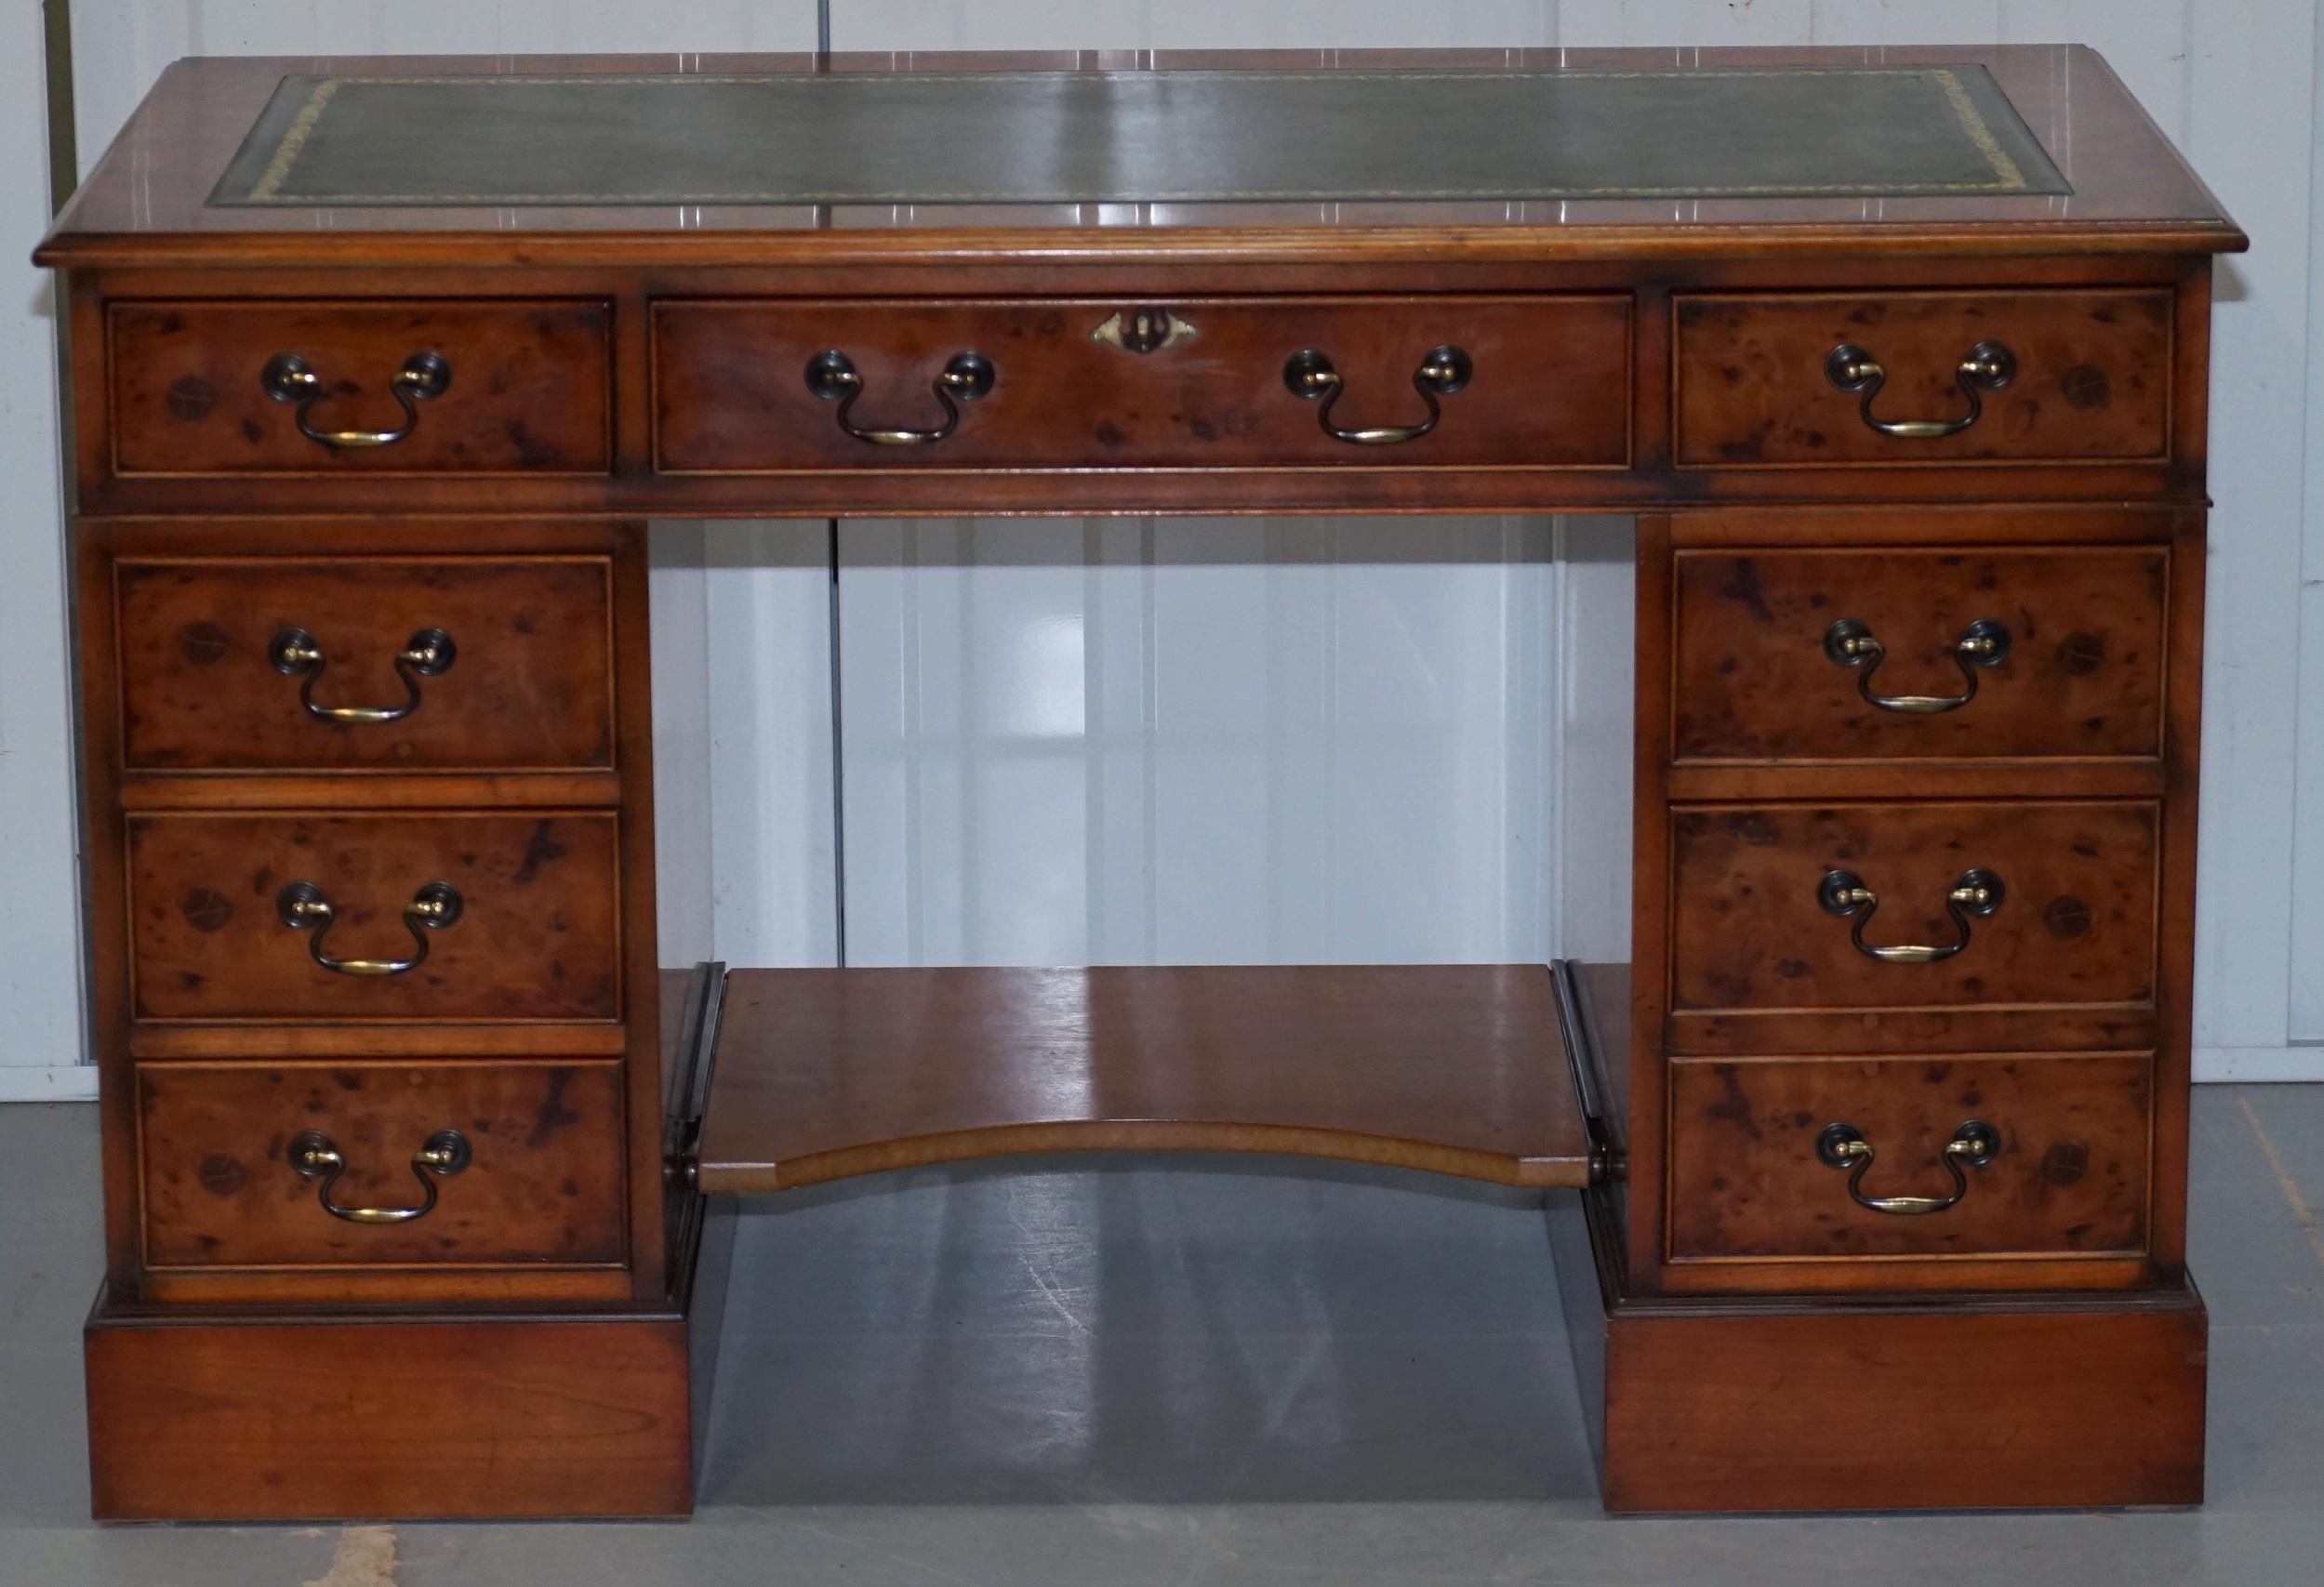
(1989, 366)
(428, 654)
(422, 378)
(303, 906)
(1976, 891)
(965, 379)
(1842, 1145)
(1310, 376)
(1851, 642)
(314, 1155)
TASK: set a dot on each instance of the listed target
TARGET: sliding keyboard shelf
(1456, 1069)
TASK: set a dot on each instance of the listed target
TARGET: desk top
(759, 159)
(1111, 137)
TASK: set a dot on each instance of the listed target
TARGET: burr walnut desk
(1870, 1162)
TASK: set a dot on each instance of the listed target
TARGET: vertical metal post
(64, 164)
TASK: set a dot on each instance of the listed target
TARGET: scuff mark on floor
(366, 1558)
(2300, 1208)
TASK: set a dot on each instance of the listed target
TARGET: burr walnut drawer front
(365, 663)
(249, 1165)
(1845, 655)
(465, 917)
(1538, 381)
(2063, 374)
(1779, 1158)
(1902, 906)
(405, 387)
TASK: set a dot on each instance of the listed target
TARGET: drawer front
(1806, 654)
(2066, 1172)
(1547, 383)
(280, 664)
(2090, 378)
(535, 936)
(2071, 923)
(535, 1175)
(525, 388)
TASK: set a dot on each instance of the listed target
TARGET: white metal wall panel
(121, 45)
(2307, 911)
(773, 818)
(40, 916)
(1184, 24)
(2252, 132)
(1907, 21)
(1596, 731)
(1589, 23)
(1206, 740)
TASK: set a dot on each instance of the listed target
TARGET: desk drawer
(2082, 375)
(1539, 381)
(531, 1173)
(2067, 916)
(514, 388)
(1753, 1175)
(275, 663)
(1845, 655)
(511, 918)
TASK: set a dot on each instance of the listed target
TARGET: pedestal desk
(1868, 1167)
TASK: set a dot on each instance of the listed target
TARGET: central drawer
(463, 916)
(744, 387)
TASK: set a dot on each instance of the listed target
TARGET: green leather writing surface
(1130, 136)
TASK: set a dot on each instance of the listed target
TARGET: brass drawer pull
(1309, 374)
(831, 376)
(295, 654)
(289, 378)
(443, 1155)
(1842, 893)
(1843, 1146)
(1989, 366)
(1850, 644)
(302, 908)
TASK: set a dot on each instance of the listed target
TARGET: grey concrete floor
(1187, 1374)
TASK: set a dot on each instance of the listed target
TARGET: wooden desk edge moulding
(1867, 1169)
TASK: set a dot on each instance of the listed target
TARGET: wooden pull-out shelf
(1457, 1069)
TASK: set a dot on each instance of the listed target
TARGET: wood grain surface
(390, 1417)
(730, 392)
(530, 685)
(1457, 1069)
(2092, 380)
(2082, 678)
(2029, 1403)
(2068, 1177)
(2077, 924)
(543, 1187)
(530, 387)
(538, 936)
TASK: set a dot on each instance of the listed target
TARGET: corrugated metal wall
(1119, 740)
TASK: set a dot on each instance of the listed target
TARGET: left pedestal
(391, 1079)
(273, 1413)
